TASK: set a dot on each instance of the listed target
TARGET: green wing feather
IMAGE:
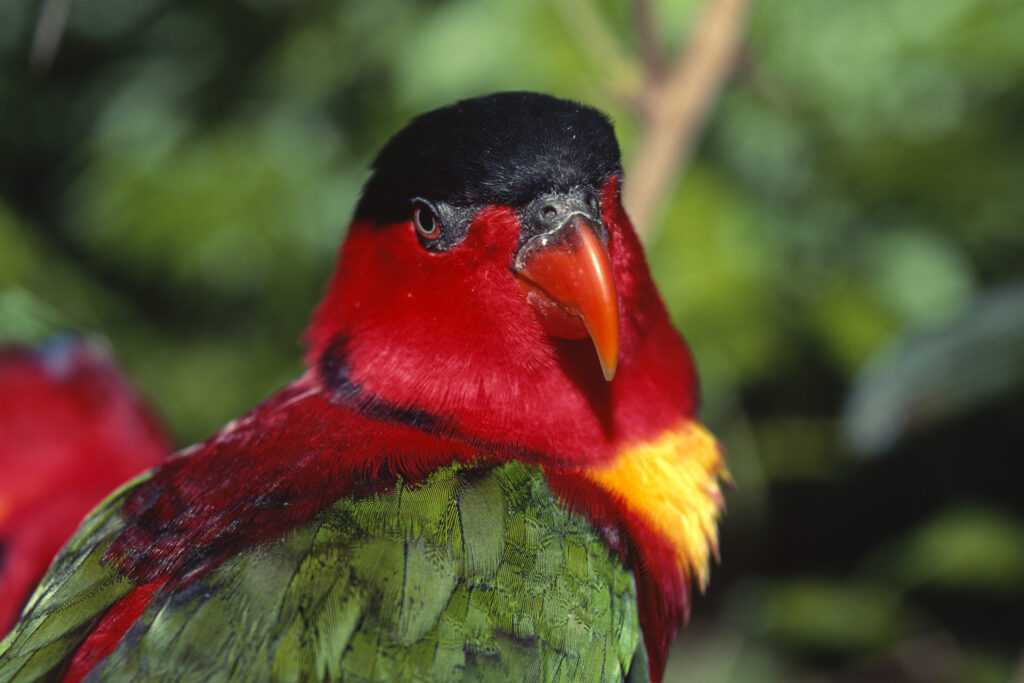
(471, 574)
(70, 599)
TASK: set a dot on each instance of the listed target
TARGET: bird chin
(552, 316)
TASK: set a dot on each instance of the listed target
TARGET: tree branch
(53, 18)
(647, 35)
(673, 108)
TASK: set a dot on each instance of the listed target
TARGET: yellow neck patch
(673, 484)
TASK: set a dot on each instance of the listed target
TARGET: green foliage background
(845, 254)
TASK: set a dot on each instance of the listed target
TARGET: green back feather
(470, 574)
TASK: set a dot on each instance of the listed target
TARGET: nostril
(592, 202)
(549, 212)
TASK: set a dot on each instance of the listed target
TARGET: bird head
(491, 282)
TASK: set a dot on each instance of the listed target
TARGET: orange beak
(567, 275)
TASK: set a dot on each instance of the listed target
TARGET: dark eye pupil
(426, 221)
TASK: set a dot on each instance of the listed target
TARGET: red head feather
(450, 331)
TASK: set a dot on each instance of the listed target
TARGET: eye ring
(428, 225)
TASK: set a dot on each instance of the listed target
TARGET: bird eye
(426, 221)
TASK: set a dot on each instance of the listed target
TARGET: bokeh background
(844, 250)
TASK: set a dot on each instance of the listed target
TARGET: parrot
(490, 468)
(72, 429)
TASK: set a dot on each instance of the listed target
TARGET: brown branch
(53, 18)
(647, 35)
(673, 108)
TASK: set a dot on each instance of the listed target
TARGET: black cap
(503, 148)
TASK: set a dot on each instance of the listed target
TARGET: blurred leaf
(798, 448)
(15, 21)
(103, 20)
(964, 548)
(880, 66)
(495, 51)
(242, 208)
(835, 616)
(722, 654)
(468, 48)
(715, 265)
(851, 321)
(24, 319)
(923, 379)
(45, 285)
(921, 276)
(198, 384)
(751, 135)
(979, 666)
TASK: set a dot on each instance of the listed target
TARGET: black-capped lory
(491, 469)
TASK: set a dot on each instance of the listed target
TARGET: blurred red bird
(72, 430)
